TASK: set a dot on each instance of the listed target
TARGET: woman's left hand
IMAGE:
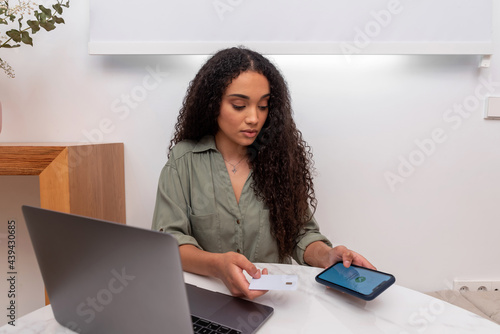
(348, 257)
(319, 254)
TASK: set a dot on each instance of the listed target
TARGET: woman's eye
(237, 107)
(263, 107)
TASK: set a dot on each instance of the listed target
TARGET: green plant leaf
(26, 39)
(8, 46)
(58, 8)
(45, 10)
(34, 25)
(58, 20)
(41, 17)
(15, 35)
(48, 25)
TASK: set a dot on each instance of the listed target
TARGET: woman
(237, 187)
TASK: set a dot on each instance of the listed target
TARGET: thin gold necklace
(234, 170)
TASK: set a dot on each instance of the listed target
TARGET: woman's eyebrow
(247, 97)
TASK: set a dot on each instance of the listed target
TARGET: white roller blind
(292, 26)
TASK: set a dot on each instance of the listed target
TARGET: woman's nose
(252, 115)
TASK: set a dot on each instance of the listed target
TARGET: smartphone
(358, 281)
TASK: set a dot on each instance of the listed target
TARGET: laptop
(104, 277)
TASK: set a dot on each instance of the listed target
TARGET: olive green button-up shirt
(196, 204)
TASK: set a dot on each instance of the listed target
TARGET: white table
(313, 308)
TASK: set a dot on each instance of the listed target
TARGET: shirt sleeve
(172, 209)
(310, 234)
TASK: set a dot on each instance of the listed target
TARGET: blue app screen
(357, 279)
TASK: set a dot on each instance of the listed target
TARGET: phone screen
(358, 279)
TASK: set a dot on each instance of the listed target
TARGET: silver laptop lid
(104, 277)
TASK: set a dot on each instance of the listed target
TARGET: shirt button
(237, 221)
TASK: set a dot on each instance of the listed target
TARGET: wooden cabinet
(81, 179)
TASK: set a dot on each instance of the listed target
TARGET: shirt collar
(206, 143)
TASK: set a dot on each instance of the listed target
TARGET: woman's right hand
(228, 267)
(230, 271)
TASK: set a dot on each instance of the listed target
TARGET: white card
(274, 282)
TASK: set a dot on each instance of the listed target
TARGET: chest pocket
(207, 230)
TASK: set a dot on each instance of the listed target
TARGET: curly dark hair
(280, 159)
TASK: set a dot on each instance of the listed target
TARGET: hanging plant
(28, 18)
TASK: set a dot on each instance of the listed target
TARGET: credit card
(274, 282)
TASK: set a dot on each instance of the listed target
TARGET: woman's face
(243, 110)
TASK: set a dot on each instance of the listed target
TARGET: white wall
(360, 116)
(21, 286)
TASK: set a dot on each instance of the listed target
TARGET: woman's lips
(250, 133)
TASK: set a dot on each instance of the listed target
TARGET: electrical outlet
(471, 285)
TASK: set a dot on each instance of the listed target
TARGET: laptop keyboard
(203, 326)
